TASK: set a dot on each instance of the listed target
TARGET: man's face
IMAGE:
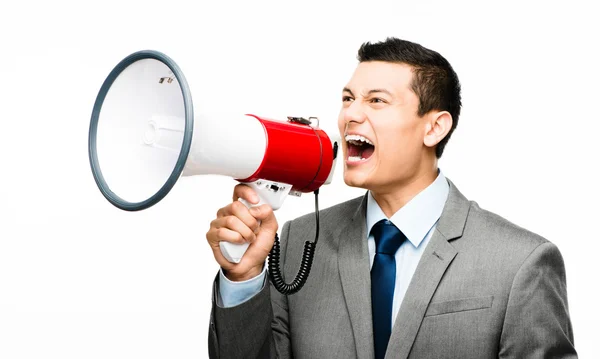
(383, 134)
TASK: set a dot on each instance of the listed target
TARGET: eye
(347, 99)
(377, 100)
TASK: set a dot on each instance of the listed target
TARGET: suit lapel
(436, 258)
(355, 275)
(433, 264)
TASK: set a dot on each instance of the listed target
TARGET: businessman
(412, 269)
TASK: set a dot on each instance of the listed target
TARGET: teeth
(354, 158)
(358, 138)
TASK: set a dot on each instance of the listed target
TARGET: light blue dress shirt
(416, 219)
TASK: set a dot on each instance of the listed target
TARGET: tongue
(367, 151)
(353, 151)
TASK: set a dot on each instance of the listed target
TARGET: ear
(437, 127)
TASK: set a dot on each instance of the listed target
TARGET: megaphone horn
(143, 136)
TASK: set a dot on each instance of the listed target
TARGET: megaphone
(144, 136)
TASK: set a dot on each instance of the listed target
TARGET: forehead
(395, 77)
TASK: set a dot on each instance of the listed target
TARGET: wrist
(234, 276)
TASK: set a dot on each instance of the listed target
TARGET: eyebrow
(370, 92)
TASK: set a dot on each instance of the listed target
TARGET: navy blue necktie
(388, 239)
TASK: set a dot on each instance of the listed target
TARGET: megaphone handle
(269, 192)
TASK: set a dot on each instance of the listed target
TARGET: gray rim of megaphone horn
(187, 137)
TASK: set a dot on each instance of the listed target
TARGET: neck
(391, 200)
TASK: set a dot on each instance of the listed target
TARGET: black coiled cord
(307, 259)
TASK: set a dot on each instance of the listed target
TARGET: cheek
(397, 143)
(341, 122)
(342, 126)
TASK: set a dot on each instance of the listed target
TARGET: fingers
(233, 229)
(265, 236)
(218, 233)
(234, 224)
(224, 234)
(246, 193)
(252, 260)
(238, 210)
(238, 224)
(264, 213)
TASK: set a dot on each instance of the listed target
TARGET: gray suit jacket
(484, 288)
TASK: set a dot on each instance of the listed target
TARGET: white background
(82, 279)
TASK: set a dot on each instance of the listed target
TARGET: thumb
(264, 213)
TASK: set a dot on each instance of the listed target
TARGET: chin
(358, 180)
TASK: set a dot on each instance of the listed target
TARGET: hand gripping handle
(269, 192)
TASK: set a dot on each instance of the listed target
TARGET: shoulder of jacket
(499, 228)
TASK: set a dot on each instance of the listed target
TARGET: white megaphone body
(144, 135)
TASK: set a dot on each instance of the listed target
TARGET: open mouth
(359, 147)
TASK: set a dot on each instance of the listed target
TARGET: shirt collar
(415, 218)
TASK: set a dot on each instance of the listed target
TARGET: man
(410, 270)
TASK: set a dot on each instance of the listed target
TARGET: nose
(354, 113)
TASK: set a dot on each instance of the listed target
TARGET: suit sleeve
(537, 323)
(256, 328)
